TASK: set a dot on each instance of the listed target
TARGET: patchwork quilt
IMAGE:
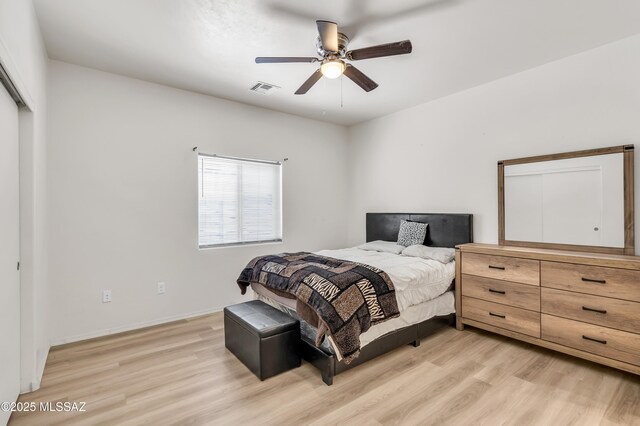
(342, 299)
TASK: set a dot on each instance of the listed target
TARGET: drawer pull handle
(497, 291)
(590, 280)
(497, 315)
(496, 267)
(604, 342)
(600, 311)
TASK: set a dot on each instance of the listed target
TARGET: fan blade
(283, 59)
(328, 35)
(389, 49)
(309, 83)
(359, 78)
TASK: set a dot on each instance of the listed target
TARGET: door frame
(33, 354)
(13, 288)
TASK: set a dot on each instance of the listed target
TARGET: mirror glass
(570, 201)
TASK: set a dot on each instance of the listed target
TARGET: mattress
(439, 306)
(265, 292)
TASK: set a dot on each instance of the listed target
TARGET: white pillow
(383, 246)
(441, 254)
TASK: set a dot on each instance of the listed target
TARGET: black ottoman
(265, 339)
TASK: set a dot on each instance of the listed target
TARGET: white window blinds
(240, 201)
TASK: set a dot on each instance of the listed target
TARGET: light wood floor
(181, 373)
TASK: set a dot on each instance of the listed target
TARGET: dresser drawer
(510, 318)
(608, 282)
(613, 313)
(499, 291)
(615, 344)
(523, 271)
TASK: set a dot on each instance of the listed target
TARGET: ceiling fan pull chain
(341, 105)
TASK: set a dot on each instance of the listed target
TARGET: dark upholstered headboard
(445, 230)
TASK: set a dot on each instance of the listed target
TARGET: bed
(424, 308)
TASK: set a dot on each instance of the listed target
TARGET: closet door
(9, 253)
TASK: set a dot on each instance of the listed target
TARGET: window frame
(240, 243)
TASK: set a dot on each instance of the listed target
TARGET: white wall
(123, 197)
(441, 156)
(23, 55)
(122, 176)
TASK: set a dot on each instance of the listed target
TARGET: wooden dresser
(582, 304)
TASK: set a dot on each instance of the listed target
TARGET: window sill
(236, 245)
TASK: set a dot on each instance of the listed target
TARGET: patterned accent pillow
(412, 233)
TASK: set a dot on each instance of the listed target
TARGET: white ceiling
(208, 46)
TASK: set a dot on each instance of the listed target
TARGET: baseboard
(136, 326)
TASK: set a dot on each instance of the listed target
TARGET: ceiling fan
(332, 47)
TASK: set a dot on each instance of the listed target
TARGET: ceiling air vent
(264, 88)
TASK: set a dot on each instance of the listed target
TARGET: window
(240, 201)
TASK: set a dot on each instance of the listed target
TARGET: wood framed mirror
(580, 201)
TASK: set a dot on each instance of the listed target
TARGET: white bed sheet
(444, 304)
(416, 280)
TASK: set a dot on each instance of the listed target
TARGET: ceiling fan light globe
(332, 69)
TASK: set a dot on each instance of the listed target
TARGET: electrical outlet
(162, 288)
(106, 296)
